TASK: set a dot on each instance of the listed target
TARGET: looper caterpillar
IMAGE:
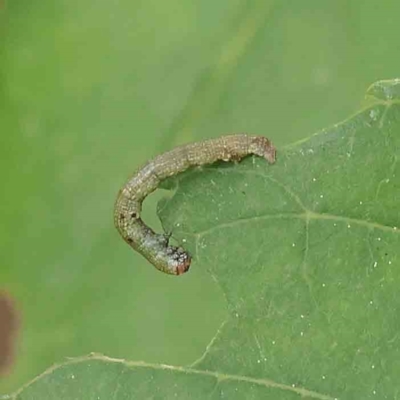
(154, 246)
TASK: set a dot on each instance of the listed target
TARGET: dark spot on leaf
(8, 330)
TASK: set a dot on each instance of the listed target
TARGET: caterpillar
(154, 246)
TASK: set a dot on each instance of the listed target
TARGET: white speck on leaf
(202, 244)
(373, 114)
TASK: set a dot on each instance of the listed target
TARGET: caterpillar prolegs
(154, 246)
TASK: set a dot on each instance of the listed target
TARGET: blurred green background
(89, 90)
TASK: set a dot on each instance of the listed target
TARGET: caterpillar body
(154, 246)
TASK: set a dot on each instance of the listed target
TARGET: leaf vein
(268, 383)
(306, 215)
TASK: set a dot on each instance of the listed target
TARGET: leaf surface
(306, 253)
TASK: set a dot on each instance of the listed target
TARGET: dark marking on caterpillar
(128, 206)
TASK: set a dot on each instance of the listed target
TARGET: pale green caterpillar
(128, 206)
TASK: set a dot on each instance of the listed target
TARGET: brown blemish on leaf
(8, 332)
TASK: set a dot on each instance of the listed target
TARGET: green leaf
(307, 255)
(90, 90)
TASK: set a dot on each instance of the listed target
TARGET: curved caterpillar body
(153, 246)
